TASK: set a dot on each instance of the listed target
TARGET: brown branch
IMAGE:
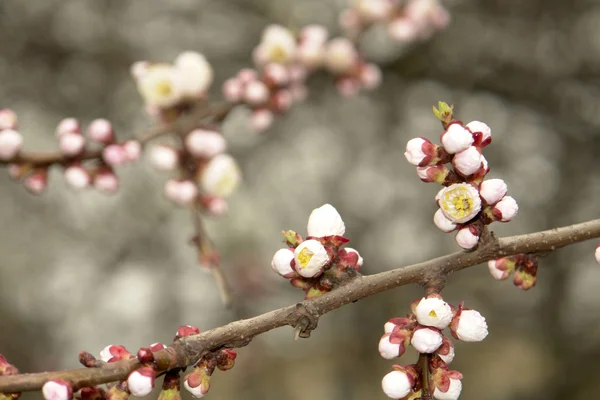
(304, 315)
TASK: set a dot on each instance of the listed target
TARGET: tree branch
(304, 315)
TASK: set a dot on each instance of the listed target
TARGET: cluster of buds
(524, 266)
(423, 330)
(208, 174)
(8, 369)
(467, 202)
(405, 21)
(170, 88)
(318, 263)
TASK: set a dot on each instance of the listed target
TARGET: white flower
(221, 176)
(387, 349)
(468, 161)
(597, 254)
(426, 340)
(325, 221)
(8, 119)
(77, 177)
(160, 86)
(459, 202)
(164, 158)
(310, 257)
(433, 312)
(396, 385)
(205, 143)
(470, 326)
(359, 263)
(141, 381)
(453, 391)
(466, 238)
(493, 190)
(278, 45)
(414, 151)
(281, 262)
(71, 143)
(443, 223)
(477, 126)
(456, 138)
(340, 55)
(57, 390)
(256, 93)
(497, 273)
(506, 209)
(195, 74)
(10, 143)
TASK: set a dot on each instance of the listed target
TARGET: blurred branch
(304, 316)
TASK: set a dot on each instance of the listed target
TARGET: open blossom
(340, 55)
(10, 143)
(452, 393)
(221, 176)
(460, 202)
(277, 45)
(195, 74)
(467, 237)
(141, 381)
(468, 161)
(310, 257)
(397, 384)
(481, 132)
(57, 390)
(434, 312)
(426, 340)
(325, 221)
(160, 86)
(282, 262)
(493, 190)
(506, 209)
(456, 139)
(469, 326)
(443, 223)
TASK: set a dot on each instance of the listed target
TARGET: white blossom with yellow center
(460, 202)
(195, 73)
(160, 86)
(310, 257)
(277, 45)
(221, 176)
(433, 312)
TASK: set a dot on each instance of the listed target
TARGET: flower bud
(195, 73)
(114, 353)
(183, 192)
(340, 55)
(420, 151)
(256, 93)
(506, 209)
(389, 350)
(403, 29)
(77, 177)
(433, 173)
(221, 176)
(467, 237)
(58, 389)
(164, 158)
(469, 326)
(325, 221)
(456, 139)
(205, 143)
(310, 257)
(71, 143)
(10, 143)
(426, 340)
(132, 150)
(501, 268)
(370, 76)
(186, 330)
(261, 119)
(468, 161)
(373, 10)
(8, 119)
(101, 131)
(36, 182)
(493, 190)
(141, 381)
(397, 384)
(446, 351)
(525, 278)
(481, 133)
(460, 202)
(92, 393)
(67, 125)
(233, 90)
(349, 252)
(106, 181)
(443, 223)
(276, 74)
(433, 311)
(281, 262)
(452, 393)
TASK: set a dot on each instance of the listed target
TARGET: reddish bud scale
(92, 393)
(118, 392)
(88, 360)
(226, 359)
(172, 381)
(186, 330)
(145, 355)
(349, 259)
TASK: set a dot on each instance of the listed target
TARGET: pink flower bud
(58, 389)
(340, 55)
(282, 100)
(205, 143)
(467, 237)
(506, 209)
(498, 269)
(261, 119)
(71, 143)
(114, 155)
(133, 150)
(433, 311)
(68, 125)
(247, 75)
(349, 20)
(276, 74)
(282, 262)
(389, 350)
(10, 143)
(456, 139)
(256, 93)
(468, 161)
(351, 251)
(443, 223)
(196, 386)
(36, 182)
(420, 151)
(181, 192)
(453, 392)
(469, 326)
(77, 177)
(426, 340)
(314, 34)
(186, 330)
(370, 76)
(163, 157)
(397, 384)
(433, 173)
(403, 30)
(141, 381)
(347, 86)
(493, 190)
(310, 55)
(233, 89)
(114, 353)
(101, 131)
(481, 133)
(106, 181)
(8, 119)
(215, 205)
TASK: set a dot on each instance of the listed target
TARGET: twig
(189, 350)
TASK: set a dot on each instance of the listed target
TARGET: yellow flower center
(432, 314)
(458, 202)
(278, 54)
(164, 88)
(304, 256)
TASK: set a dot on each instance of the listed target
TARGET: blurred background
(81, 270)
